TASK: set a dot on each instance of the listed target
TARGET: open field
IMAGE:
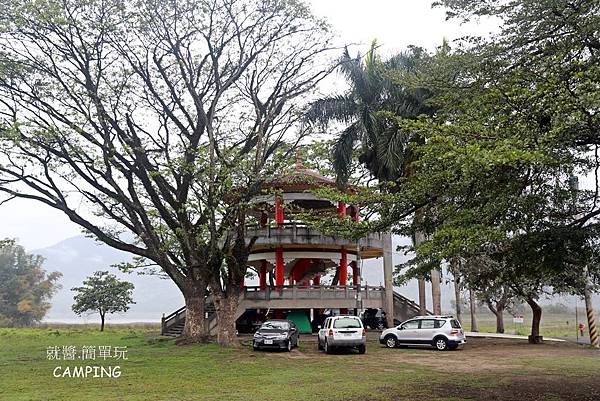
(157, 369)
(552, 325)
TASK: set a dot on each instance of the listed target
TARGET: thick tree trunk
(226, 306)
(498, 311)
(535, 338)
(472, 307)
(195, 328)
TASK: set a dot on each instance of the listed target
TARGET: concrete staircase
(405, 308)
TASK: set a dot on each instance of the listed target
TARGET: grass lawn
(158, 369)
(552, 325)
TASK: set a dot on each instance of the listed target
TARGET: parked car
(374, 318)
(249, 322)
(441, 332)
(278, 334)
(344, 331)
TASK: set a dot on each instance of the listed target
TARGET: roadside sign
(518, 319)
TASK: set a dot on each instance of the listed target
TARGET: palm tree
(372, 89)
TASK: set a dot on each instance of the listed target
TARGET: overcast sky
(394, 23)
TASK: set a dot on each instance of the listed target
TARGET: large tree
(516, 117)
(158, 119)
(25, 288)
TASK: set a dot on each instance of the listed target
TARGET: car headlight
(257, 335)
(281, 337)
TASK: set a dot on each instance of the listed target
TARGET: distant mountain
(78, 257)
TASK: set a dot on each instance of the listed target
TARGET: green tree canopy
(25, 288)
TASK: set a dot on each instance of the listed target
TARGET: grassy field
(158, 369)
(552, 325)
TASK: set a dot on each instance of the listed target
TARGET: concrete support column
(422, 297)
(262, 275)
(418, 239)
(387, 277)
(279, 267)
(436, 292)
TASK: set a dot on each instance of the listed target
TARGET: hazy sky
(395, 23)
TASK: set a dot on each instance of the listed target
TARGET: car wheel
(327, 348)
(254, 347)
(440, 343)
(289, 345)
(452, 347)
(390, 341)
(362, 349)
(319, 346)
(297, 341)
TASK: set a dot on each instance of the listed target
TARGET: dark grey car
(276, 334)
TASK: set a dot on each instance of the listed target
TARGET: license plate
(348, 334)
(268, 342)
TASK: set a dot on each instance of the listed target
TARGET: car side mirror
(293, 329)
(400, 328)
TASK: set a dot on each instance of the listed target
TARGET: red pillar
(279, 210)
(354, 213)
(262, 275)
(344, 267)
(354, 273)
(317, 280)
(341, 209)
(279, 270)
(344, 274)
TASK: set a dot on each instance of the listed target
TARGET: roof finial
(298, 159)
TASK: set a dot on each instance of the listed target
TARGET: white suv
(345, 331)
(441, 332)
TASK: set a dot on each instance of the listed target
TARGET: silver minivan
(441, 332)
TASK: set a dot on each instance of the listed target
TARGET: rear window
(347, 323)
(455, 324)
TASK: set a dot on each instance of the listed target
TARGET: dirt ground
(511, 369)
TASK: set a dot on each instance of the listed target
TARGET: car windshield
(347, 323)
(275, 325)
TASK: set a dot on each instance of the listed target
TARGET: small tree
(103, 293)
